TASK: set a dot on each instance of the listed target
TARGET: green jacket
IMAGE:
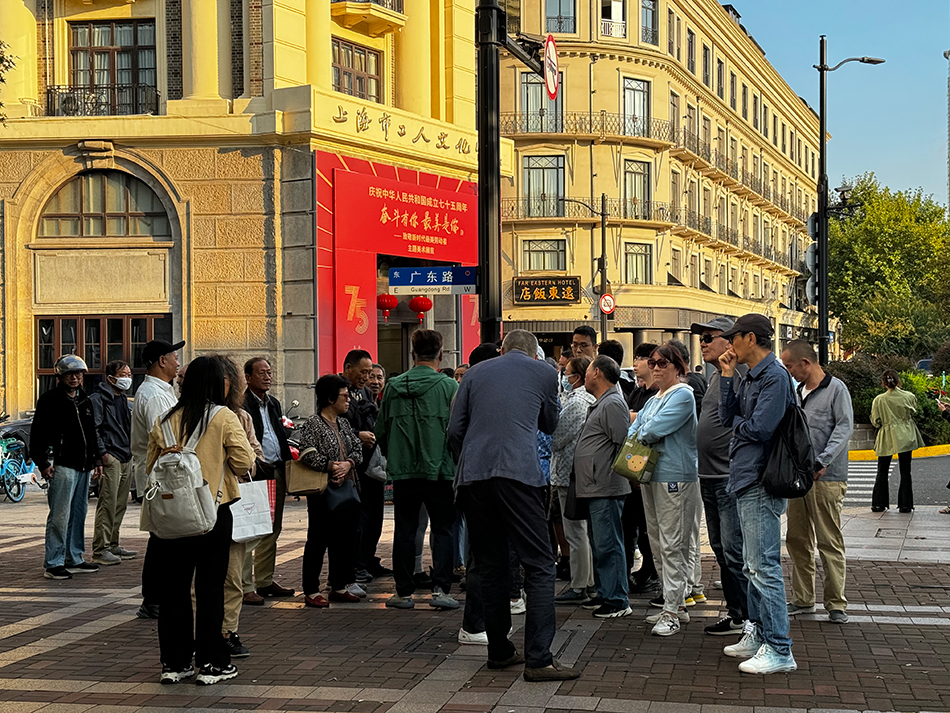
(412, 422)
(892, 413)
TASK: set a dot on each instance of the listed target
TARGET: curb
(926, 452)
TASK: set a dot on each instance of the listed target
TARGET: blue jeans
(725, 538)
(610, 559)
(68, 497)
(760, 517)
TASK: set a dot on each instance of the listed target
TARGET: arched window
(104, 204)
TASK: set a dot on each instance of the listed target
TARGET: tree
(887, 270)
(6, 64)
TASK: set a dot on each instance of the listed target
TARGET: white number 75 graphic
(355, 309)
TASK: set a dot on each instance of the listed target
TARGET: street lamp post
(602, 262)
(824, 334)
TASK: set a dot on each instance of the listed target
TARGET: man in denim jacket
(754, 412)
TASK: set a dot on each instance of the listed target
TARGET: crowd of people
(507, 460)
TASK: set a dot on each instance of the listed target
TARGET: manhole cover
(889, 532)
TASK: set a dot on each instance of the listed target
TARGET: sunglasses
(707, 338)
(654, 363)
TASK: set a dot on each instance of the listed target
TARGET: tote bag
(251, 514)
(635, 461)
(303, 480)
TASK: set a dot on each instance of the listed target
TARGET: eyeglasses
(707, 338)
(654, 363)
(575, 345)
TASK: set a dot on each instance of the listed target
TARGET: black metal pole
(823, 325)
(603, 263)
(489, 34)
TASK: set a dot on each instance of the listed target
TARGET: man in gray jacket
(817, 516)
(605, 491)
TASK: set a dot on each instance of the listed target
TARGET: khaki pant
(670, 510)
(234, 588)
(817, 517)
(265, 554)
(110, 509)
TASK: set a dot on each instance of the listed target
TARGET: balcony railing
(613, 28)
(750, 181)
(634, 209)
(561, 24)
(726, 234)
(691, 142)
(394, 5)
(102, 100)
(698, 222)
(727, 165)
(602, 123)
(650, 35)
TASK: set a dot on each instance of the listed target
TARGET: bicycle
(15, 472)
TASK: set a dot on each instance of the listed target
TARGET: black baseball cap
(157, 348)
(758, 324)
(723, 324)
(483, 352)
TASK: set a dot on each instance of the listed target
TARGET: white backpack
(177, 501)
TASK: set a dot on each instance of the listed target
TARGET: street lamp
(824, 334)
(603, 252)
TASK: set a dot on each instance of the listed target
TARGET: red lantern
(420, 304)
(386, 302)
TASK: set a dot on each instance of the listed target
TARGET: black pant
(408, 498)
(500, 511)
(336, 531)
(881, 495)
(151, 575)
(634, 521)
(204, 560)
(372, 505)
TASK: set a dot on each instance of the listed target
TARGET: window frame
(691, 51)
(721, 79)
(632, 249)
(113, 51)
(559, 23)
(745, 102)
(339, 44)
(707, 66)
(559, 251)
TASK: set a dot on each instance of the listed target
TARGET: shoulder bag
(345, 496)
(635, 461)
(304, 480)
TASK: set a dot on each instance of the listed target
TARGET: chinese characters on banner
(547, 290)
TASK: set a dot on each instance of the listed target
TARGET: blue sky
(891, 118)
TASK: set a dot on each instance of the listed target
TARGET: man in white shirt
(154, 397)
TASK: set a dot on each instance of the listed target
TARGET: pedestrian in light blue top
(667, 423)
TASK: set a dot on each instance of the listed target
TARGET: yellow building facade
(167, 170)
(706, 156)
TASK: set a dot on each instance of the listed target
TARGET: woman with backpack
(221, 449)
(892, 413)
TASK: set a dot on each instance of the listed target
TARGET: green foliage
(941, 363)
(887, 271)
(862, 375)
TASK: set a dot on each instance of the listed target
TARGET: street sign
(607, 303)
(427, 280)
(552, 78)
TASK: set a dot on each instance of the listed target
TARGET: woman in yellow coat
(892, 413)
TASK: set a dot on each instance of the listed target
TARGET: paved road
(929, 475)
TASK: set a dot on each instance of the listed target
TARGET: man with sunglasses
(753, 409)
(722, 520)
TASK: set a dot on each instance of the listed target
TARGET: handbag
(790, 468)
(343, 497)
(304, 480)
(635, 461)
(376, 469)
(575, 508)
(251, 514)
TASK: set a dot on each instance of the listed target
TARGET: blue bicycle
(14, 472)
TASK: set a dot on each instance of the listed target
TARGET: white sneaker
(479, 639)
(666, 625)
(747, 646)
(518, 606)
(356, 590)
(637, 555)
(682, 615)
(768, 660)
(106, 557)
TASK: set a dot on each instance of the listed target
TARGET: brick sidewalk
(75, 646)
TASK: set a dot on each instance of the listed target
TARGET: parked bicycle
(15, 472)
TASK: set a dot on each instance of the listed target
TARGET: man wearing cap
(753, 409)
(64, 424)
(154, 397)
(722, 520)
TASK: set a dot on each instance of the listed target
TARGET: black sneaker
(171, 675)
(210, 675)
(81, 568)
(593, 603)
(611, 611)
(147, 611)
(58, 573)
(363, 577)
(644, 586)
(657, 602)
(727, 626)
(422, 580)
(380, 571)
(238, 650)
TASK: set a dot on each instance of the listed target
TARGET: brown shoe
(556, 672)
(317, 602)
(343, 596)
(254, 599)
(275, 590)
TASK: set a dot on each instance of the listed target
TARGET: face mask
(566, 385)
(123, 383)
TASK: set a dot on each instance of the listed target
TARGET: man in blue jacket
(499, 409)
(754, 412)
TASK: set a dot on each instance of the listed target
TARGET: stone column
(18, 94)
(319, 48)
(413, 53)
(200, 46)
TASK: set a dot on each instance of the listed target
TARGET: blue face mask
(566, 383)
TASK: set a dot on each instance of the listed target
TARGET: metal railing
(613, 28)
(634, 209)
(650, 35)
(749, 180)
(102, 100)
(394, 5)
(726, 165)
(560, 23)
(601, 123)
(691, 142)
(726, 234)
